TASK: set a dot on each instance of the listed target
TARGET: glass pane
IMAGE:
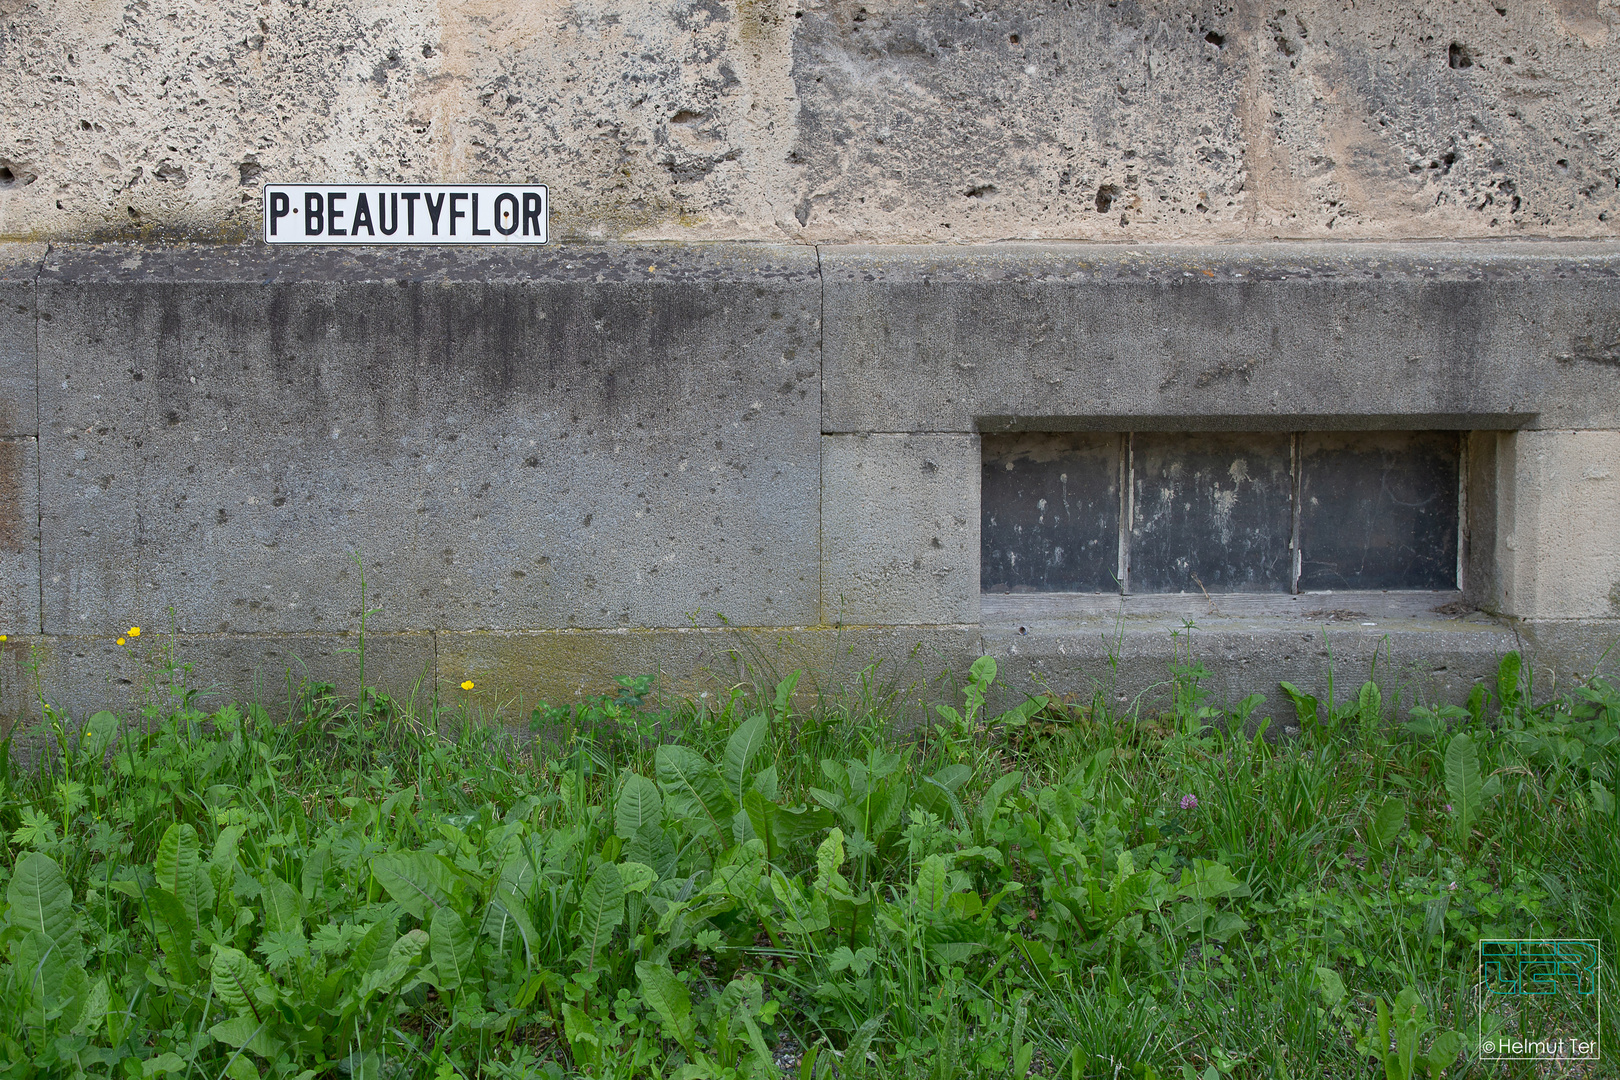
(1213, 513)
(1050, 513)
(1378, 510)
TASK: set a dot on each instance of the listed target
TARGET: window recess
(1220, 512)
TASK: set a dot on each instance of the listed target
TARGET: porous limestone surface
(826, 120)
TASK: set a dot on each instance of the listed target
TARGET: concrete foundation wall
(729, 461)
(820, 121)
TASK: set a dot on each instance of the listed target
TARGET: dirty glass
(1220, 512)
(1378, 510)
(1050, 513)
(1212, 512)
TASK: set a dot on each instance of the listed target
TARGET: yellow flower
(134, 631)
(2, 637)
(468, 685)
(120, 641)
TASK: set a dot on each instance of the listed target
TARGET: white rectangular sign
(406, 213)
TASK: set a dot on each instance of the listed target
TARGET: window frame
(1126, 485)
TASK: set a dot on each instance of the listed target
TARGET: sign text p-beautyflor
(406, 213)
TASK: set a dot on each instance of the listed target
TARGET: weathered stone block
(517, 671)
(1150, 120)
(1558, 524)
(19, 536)
(1129, 661)
(81, 675)
(19, 364)
(882, 120)
(1561, 654)
(1281, 337)
(899, 529)
(18, 701)
(916, 667)
(609, 436)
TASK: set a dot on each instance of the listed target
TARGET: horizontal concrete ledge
(256, 264)
(1122, 647)
(1294, 421)
(21, 261)
(512, 671)
(1414, 660)
(1340, 606)
(1008, 262)
(1001, 337)
(1126, 664)
(1126, 660)
(565, 666)
(1043, 261)
(1259, 337)
(79, 675)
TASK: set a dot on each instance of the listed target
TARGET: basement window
(1220, 512)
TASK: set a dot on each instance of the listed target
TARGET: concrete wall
(565, 465)
(806, 255)
(827, 120)
(1558, 524)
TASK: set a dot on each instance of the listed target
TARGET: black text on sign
(405, 214)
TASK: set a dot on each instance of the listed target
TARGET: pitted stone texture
(899, 529)
(79, 676)
(875, 120)
(677, 118)
(1279, 337)
(596, 437)
(940, 122)
(909, 666)
(1558, 525)
(1150, 120)
(19, 536)
(1129, 663)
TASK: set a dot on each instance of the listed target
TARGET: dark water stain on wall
(1378, 510)
(1050, 513)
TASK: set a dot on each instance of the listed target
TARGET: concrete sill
(1351, 607)
(1125, 646)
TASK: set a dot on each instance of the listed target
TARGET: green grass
(691, 889)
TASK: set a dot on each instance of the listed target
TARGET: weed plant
(768, 883)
